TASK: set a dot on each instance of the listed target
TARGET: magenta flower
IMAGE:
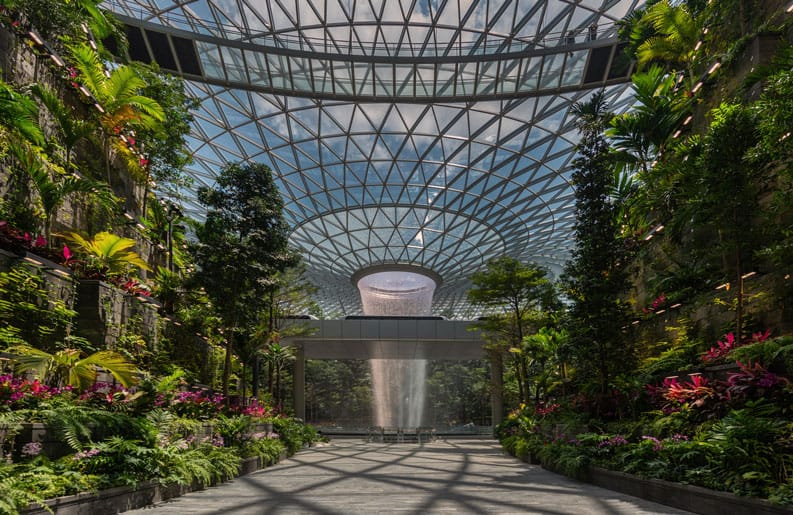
(31, 449)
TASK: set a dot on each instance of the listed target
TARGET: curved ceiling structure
(435, 134)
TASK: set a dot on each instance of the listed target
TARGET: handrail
(493, 45)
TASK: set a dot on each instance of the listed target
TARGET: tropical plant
(118, 93)
(279, 357)
(641, 134)
(71, 128)
(167, 288)
(674, 36)
(19, 116)
(27, 313)
(166, 148)
(69, 367)
(55, 186)
(106, 254)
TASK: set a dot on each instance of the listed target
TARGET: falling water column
(399, 385)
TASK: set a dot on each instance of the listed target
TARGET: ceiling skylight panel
(234, 64)
(211, 62)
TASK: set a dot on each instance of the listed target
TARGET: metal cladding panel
(407, 329)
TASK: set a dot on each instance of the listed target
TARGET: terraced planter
(124, 498)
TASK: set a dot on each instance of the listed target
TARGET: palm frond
(91, 70)
(122, 370)
(27, 358)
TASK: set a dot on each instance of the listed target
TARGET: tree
(672, 39)
(517, 294)
(55, 187)
(242, 244)
(119, 93)
(642, 133)
(166, 148)
(71, 128)
(594, 277)
(279, 356)
(725, 198)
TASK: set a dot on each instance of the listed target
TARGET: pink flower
(31, 449)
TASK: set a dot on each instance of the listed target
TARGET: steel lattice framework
(430, 133)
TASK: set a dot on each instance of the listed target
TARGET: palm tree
(108, 254)
(675, 39)
(68, 367)
(642, 133)
(278, 356)
(118, 93)
(19, 114)
(54, 190)
(71, 128)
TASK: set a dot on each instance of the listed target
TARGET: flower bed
(64, 443)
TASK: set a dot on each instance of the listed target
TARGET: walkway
(455, 476)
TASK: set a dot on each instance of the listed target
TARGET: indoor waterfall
(399, 385)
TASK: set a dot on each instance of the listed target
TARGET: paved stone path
(454, 476)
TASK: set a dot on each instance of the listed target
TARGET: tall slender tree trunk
(227, 367)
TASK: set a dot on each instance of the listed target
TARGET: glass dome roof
(436, 134)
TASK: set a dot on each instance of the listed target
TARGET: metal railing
(493, 44)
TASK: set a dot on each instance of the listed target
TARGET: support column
(496, 388)
(299, 383)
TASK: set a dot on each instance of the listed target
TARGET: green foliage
(71, 128)
(69, 367)
(753, 449)
(267, 449)
(519, 299)
(776, 353)
(234, 430)
(241, 245)
(107, 254)
(667, 33)
(339, 392)
(19, 115)
(294, 433)
(54, 186)
(27, 313)
(642, 133)
(594, 277)
(166, 147)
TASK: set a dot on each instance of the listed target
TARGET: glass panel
(425, 80)
(529, 74)
(446, 74)
(322, 76)
(279, 71)
(466, 79)
(301, 78)
(574, 69)
(404, 79)
(363, 79)
(342, 75)
(384, 80)
(552, 71)
(257, 68)
(235, 65)
(509, 76)
(488, 73)
(210, 59)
